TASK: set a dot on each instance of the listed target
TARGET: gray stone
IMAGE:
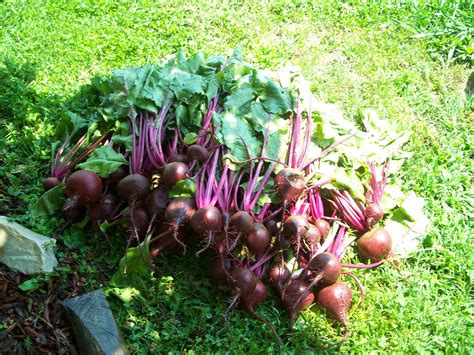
(94, 325)
(24, 250)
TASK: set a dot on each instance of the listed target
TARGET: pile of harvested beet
(211, 152)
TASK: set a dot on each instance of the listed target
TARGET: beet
(312, 235)
(327, 266)
(258, 239)
(290, 183)
(117, 175)
(83, 187)
(103, 210)
(218, 270)
(180, 211)
(140, 220)
(157, 201)
(197, 152)
(324, 227)
(295, 226)
(243, 280)
(295, 298)
(174, 172)
(336, 300)
(373, 213)
(272, 227)
(375, 245)
(257, 296)
(180, 158)
(50, 182)
(279, 275)
(207, 219)
(242, 221)
(133, 188)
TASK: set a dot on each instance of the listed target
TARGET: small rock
(94, 325)
(24, 250)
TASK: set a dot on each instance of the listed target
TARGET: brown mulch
(32, 322)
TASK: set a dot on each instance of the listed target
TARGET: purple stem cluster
(377, 187)
(352, 211)
(208, 186)
(61, 167)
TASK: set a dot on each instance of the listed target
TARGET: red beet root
(243, 280)
(296, 297)
(50, 182)
(242, 221)
(174, 172)
(375, 245)
(336, 300)
(324, 228)
(133, 188)
(197, 152)
(258, 239)
(373, 213)
(207, 219)
(83, 187)
(327, 267)
(279, 275)
(290, 183)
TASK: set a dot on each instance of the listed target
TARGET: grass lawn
(356, 55)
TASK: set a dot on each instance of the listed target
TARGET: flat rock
(24, 250)
(94, 325)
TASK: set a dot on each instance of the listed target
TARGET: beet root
(279, 275)
(336, 300)
(243, 280)
(242, 221)
(258, 239)
(139, 221)
(290, 183)
(50, 182)
(174, 172)
(83, 187)
(133, 188)
(197, 152)
(373, 213)
(180, 211)
(207, 219)
(295, 226)
(324, 228)
(218, 270)
(103, 210)
(327, 266)
(156, 201)
(294, 298)
(312, 236)
(375, 245)
(257, 296)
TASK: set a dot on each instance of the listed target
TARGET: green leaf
(185, 85)
(183, 188)
(49, 203)
(104, 161)
(133, 268)
(190, 138)
(239, 101)
(274, 98)
(236, 133)
(31, 284)
(125, 141)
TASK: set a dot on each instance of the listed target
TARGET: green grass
(358, 54)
